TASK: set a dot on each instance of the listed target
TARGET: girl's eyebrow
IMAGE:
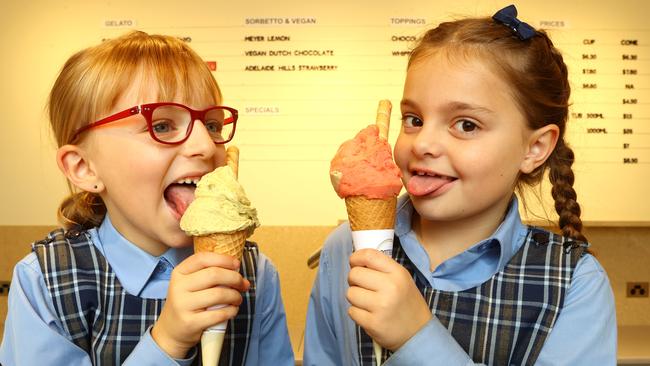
(462, 106)
(451, 106)
(408, 103)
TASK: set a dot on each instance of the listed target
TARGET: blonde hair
(538, 76)
(92, 81)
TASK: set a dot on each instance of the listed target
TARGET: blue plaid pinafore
(106, 321)
(505, 320)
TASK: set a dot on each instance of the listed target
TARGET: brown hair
(92, 81)
(537, 74)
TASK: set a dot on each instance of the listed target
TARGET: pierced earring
(95, 186)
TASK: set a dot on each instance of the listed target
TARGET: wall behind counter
(624, 252)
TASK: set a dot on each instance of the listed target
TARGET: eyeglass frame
(146, 110)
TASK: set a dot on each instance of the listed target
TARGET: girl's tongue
(422, 185)
(179, 196)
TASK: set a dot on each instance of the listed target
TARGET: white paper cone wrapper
(381, 240)
(211, 343)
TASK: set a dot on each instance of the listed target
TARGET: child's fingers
(361, 298)
(360, 316)
(367, 278)
(215, 296)
(214, 276)
(201, 260)
(373, 259)
(208, 318)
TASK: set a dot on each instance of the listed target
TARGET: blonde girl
(138, 120)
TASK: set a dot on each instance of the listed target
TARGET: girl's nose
(199, 143)
(429, 142)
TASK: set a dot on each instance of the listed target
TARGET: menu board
(305, 77)
(306, 83)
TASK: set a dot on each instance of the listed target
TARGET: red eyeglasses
(172, 123)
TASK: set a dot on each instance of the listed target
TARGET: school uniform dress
(91, 297)
(523, 296)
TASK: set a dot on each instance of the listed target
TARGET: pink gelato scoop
(364, 166)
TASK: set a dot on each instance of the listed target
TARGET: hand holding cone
(371, 215)
(389, 207)
(222, 243)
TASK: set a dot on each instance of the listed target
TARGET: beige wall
(623, 251)
(317, 111)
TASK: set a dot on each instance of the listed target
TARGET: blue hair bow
(508, 17)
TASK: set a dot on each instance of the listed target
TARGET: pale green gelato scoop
(220, 206)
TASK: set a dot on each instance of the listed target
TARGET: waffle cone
(230, 244)
(371, 214)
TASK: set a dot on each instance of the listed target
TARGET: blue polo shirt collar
(483, 259)
(132, 266)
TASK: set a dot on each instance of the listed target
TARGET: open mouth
(424, 183)
(180, 194)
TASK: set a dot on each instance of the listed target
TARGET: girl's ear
(79, 170)
(541, 144)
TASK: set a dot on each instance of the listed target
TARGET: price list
(611, 79)
(609, 125)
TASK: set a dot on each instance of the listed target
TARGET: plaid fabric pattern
(107, 322)
(504, 321)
